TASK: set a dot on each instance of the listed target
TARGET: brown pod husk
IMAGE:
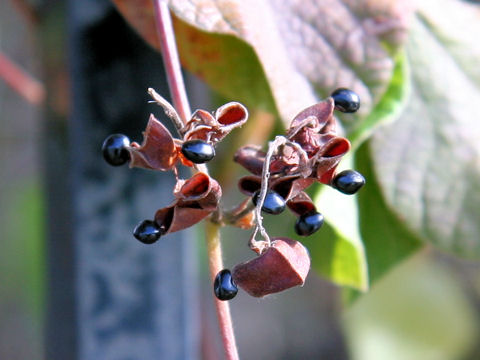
(195, 188)
(249, 184)
(251, 157)
(158, 151)
(301, 204)
(175, 218)
(286, 161)
(231, 116)
(199, 126)
(328, 158)
(283, 265)
(199, 191)
(196, 198)
(290, 187)
(322, 112)
(310, 126)
(213, 128)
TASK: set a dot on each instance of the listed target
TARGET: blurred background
(75, 285)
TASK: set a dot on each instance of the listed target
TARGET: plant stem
(180, 103)
(22, 82)
(171, 60)
(223, 309)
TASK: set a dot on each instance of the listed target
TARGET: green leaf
(246, 82)
(335, 257)
(427, 163)
(417, 312)
(386, 239)
(390, 106)
(338, 253)
(359, 245)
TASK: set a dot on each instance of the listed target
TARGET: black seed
(115, 151)
(346, 100)
(348, 181)
(273, 204)
(198, 151)
(147, 232)
(308, 223)
(224, 286)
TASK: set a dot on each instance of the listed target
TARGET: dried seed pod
(283, 265)
(251, 157)
(158, 151)
(196, 198)
(301, 204)
(328, 158)
(213, 128)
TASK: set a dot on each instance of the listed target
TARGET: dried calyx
(283, 265)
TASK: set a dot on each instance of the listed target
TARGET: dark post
(131, 301)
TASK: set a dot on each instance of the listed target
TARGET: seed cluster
(308, 153)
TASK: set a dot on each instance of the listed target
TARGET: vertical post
(132, 301)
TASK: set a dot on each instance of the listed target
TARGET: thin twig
(173, 70)
(171, 60)
(272, 147)
(21, 82)
(180, 102)
(223, 309)
(304, 163)
(167, 108)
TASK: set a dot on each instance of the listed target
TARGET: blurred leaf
(385, 237)
(306, 49)
(338, 253)
(428, 162)
(417, 312)
(390, 106)
(23, 249)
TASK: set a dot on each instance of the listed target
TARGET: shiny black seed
(346, 100)
(147, 232)
(224, 286)
(348, 181)
(308, 223)
(115, 151)
(198, 151)
(273, 204)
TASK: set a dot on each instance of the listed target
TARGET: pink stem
(21, 82)
(171, 60)
(223, 309)
(180, 102)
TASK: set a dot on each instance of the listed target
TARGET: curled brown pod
(281, 266)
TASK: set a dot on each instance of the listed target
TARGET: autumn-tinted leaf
(306, 49)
